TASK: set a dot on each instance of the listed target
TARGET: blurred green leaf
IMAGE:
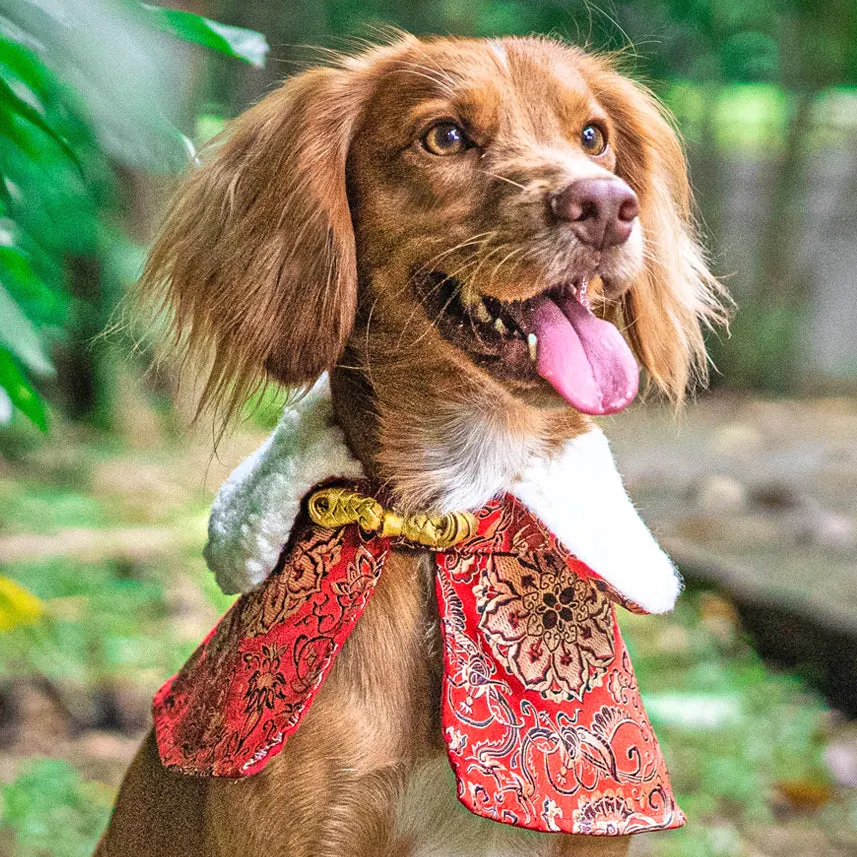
(750, 55)
(114, 66)
(237, 42)
(20, 62)
(21, 392)
(37, 300)
(15, 104)
(86, 87)
(19, 336)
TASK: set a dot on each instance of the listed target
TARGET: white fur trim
(578, 493)
(254, 510)
(580, 496)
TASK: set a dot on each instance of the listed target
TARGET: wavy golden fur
(256, 259)
(297, 247)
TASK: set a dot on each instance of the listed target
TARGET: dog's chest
(429, 815)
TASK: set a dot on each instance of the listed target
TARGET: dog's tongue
(584, 358)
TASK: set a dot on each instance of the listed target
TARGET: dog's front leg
(157, 814)
(333, 790)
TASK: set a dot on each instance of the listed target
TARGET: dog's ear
(665, 311)
(256, 258)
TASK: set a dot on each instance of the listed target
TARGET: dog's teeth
(532, 342)
(500, 327)
(482, 313)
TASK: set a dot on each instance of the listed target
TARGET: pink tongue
(585, 359)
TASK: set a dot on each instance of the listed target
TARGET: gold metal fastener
(336, 507)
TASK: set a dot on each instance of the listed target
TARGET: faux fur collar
(578, 493)
(255, 508)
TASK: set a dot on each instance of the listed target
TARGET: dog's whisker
(367, 346)
(444, 74)
(472, 277)
(505, 179)
(516, 263)
(497, 267)
(492, 252)
(478, 238)
(432, 322)
(414, 311)
(445, 87)
(435, 71)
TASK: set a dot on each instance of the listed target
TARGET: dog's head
(498, 210)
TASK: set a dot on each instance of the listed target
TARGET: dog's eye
(445, 138)
(593, 139)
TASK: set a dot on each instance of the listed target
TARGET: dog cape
(543, 721)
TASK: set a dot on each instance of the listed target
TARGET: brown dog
(409, 220)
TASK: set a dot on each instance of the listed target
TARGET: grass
(736, 734)
(50, 811)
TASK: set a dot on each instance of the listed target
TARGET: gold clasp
(336, 507)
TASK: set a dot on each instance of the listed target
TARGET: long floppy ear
(256, 258)
(665, 311)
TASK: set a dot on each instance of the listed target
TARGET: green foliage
(731, 729)
(50, 811)
(20, 391)
(236, 42)
(33, 147)
(99, 623)
(68, 111)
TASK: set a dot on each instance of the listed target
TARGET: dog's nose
(601, 211)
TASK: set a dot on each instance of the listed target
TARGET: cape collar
(578, 493)
(540, 709)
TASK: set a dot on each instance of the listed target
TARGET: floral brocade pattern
(553, 631)
(545, 726)
(245, 689)
(543, 721)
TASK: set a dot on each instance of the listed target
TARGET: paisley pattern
(540, 738)
(544, 724)
(245, 689)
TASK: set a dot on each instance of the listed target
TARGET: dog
(479, 240)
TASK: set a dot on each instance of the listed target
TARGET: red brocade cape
(543, 721)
